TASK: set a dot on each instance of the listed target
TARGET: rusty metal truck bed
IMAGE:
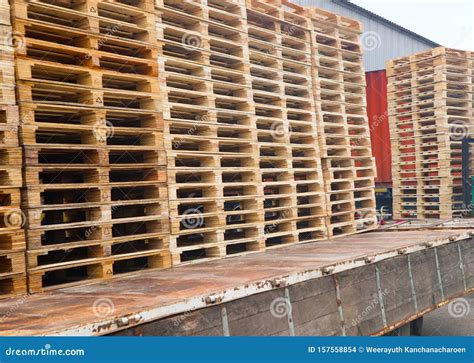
(363, 284)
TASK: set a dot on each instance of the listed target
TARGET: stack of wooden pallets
(280, 67)
(431, 111)
(12, 237)
(170, 132)
(210, 132)
(344, 135)
(94, 175)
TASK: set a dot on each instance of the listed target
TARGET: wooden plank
(12, 236)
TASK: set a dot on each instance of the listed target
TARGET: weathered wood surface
(240, 296)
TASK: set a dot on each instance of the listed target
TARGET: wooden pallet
(344, 135)
(280, 57)
(70, 273)
(13, 286)
(221, 92)
(217, 243)
(430, 103)
(210, 134)
(12, 218)
(95, 198)
(11, 263)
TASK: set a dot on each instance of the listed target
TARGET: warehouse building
(382, 39)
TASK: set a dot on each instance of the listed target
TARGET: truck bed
(366, 284)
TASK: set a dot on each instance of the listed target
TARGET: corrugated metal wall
(378, 122)
(381, 42)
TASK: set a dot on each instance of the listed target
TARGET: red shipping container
(377, 112)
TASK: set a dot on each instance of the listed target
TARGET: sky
(447, 22)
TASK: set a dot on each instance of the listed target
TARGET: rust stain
(119, 321)
(68, 308)
(339, 301)
(419, 314)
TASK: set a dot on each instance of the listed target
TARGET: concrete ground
(454, 319)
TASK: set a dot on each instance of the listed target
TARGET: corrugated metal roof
(382, 40)
(368, 13)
